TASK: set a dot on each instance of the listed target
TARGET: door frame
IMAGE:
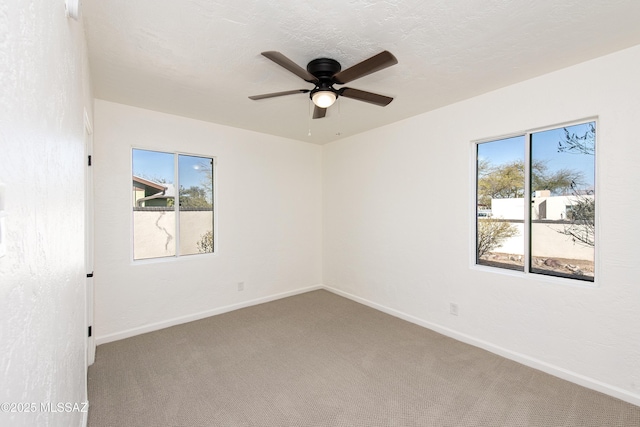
(88, 234)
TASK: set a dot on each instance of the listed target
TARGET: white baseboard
(515, 356)
(548, 368)
(197, 316)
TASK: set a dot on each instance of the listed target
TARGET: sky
(157, 166)
(544, 146)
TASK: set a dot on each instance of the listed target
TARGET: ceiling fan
(326, 72)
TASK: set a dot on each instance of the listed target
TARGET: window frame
(177, 256)
(527, 247)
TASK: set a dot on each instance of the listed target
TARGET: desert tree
(194, 197)
(581, 224)
(580, 217)
(583, 143)
(205, 244)
(506, 181)
(492, 233)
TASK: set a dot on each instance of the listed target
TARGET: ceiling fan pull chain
(310, 103)
(339, 117)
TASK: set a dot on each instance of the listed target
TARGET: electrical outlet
(240, 286)
(453, 309)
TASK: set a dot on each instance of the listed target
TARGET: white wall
(387, 242)
(45, 88)
(268, 222)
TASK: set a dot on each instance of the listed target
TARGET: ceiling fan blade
(285, 62)
(361, 95)
(375, 63)
(319, 113)
(273, 95)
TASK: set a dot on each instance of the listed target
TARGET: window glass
(500, 203)
(563, 201)
(196, 204)
(156, 232)
(551, 227)
(154, 218)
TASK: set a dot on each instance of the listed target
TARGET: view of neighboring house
(544, 207)
(147, 193)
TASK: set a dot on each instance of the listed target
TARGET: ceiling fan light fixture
(324, 73)
(324, 98)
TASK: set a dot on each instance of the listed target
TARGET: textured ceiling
(201, 58)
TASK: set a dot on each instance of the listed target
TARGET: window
(166, 222)
(552, 172)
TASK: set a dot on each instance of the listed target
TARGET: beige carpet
(318, 359)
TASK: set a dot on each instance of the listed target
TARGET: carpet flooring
(318, 359)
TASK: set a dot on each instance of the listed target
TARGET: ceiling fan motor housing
(324, 69)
